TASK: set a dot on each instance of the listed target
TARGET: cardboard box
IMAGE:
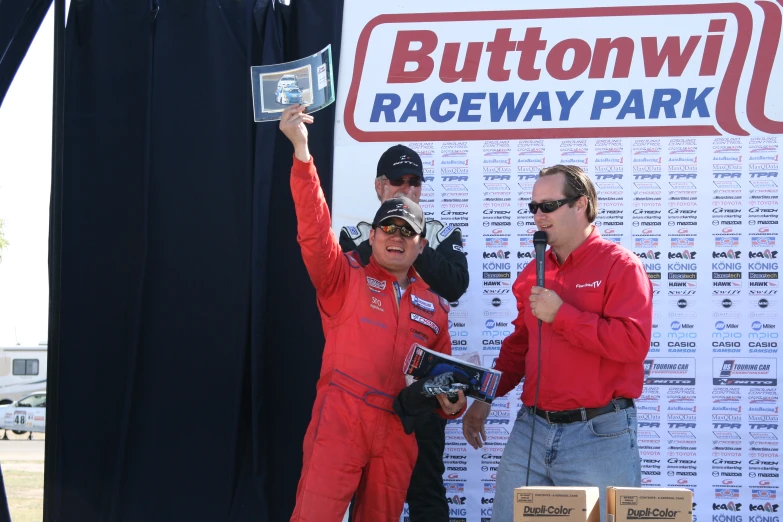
(563, 504)
(634, 504)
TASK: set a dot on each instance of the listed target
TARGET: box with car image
(564, 504)
(649, 504)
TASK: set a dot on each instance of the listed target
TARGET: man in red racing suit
(371, 316)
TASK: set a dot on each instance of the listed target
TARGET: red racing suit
(355, 443)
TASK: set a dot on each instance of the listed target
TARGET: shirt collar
(581, 251)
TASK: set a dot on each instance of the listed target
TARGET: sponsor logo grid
(700, 212)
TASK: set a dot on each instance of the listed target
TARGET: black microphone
(540, 239)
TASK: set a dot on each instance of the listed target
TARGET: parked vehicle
(22, 372)
(26, 414)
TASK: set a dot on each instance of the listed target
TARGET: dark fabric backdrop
(190, 341)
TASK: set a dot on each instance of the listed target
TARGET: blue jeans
(600, 452)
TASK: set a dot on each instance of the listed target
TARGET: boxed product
(565, 504)
(633, 504)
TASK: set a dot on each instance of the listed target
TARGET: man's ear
(581, 202)
(379, 187)
(423, 243)
(372, 236)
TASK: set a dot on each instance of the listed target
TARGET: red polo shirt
(595, 348)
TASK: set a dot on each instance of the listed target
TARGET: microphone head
(540, 238)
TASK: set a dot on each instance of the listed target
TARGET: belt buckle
(558, 417)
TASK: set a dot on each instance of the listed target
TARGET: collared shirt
(595, 349)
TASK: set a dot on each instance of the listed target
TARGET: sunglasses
(413, 182)
(550, 206)
(405, 231)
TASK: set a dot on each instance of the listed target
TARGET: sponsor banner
(670, 110)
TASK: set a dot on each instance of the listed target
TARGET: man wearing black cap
(371, 316)
(442, 264)
(444, 267)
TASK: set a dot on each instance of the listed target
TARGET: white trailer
(22, 371)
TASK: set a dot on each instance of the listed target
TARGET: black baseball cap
(398, 161)
(403, 208)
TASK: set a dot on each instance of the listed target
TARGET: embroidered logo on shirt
(421, 336)
(426, 322)
(594, 284)
(457, 248)
(377, 304)
(375, 284)
(418, 302)
(372, 322)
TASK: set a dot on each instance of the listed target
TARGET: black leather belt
(584, 414)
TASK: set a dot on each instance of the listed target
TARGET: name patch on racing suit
(425, 322)
(376, 285)
(422, 304)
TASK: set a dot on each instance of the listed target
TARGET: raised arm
(327, 266)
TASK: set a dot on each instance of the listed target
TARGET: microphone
(540, 239)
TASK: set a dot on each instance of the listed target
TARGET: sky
(25, 178)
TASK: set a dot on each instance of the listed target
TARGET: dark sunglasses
(550, 206)
(405, 231)
(413, 182)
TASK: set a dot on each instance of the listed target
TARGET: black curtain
(5, 515)
(189, 338)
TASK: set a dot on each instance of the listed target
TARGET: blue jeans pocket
(611, 424)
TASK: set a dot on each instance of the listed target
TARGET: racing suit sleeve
(327, 266)
(622, 332)
(443, 264)
(513, 351)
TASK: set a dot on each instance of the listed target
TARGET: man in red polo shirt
(596, 316)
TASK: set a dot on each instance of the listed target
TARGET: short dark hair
(577, 183)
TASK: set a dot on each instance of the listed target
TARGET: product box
(564, 504)
(633, 504)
